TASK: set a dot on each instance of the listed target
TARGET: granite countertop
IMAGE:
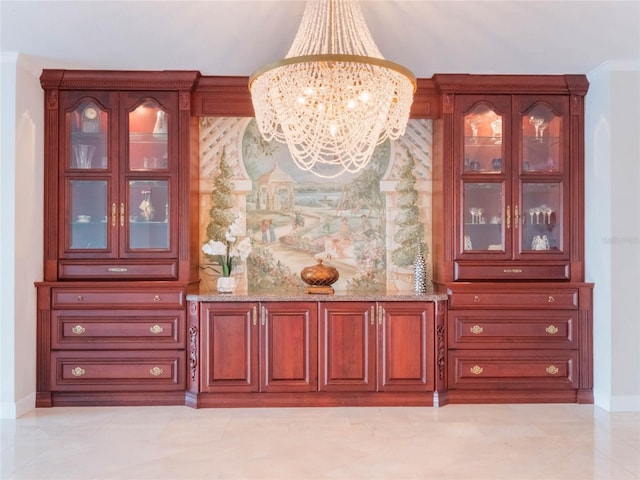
(297, 296)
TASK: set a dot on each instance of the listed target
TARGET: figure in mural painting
(264, 229)
(272, 232)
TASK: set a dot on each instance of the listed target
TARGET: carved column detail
(193, 351)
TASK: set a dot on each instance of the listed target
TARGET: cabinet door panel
(229, 347)
(406, 340)
(289, 347)
(348, 346)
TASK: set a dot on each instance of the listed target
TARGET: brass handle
(156, 371)
(255, 315)
(373, 315)
(516, 217)
(156, 298)
(381, 313)
(508, 216)
(156, 329)
(476, 329)
(263, 315)
(78, 372)
(114, 214)
(551, 329)
(551, 299)
(80, 298)
(117, 269)
(476, 370)
(552, 370)
(122, 214)
(78, 329)
(512, 270)
(476, 299)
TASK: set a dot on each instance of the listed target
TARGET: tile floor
(468, 442)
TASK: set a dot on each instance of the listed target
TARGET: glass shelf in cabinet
(155, 138)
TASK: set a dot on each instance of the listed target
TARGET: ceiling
(235, 37)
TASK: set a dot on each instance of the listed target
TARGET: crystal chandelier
(334, 97)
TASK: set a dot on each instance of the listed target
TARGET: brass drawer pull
(78, 329)
(512, 270)
(80, 298)
(156, 371)
(156, 329)
(552, 370)
(476, 329)
(476, 299)
(551, 329)
(117, 269)
(78, 372)
(477, 370)
(551, 299)
(156, 298)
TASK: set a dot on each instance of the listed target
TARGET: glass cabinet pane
(89, 214)
(483, 217)
(541, 216)
(88, 128)
(148, 137)
(483, 133)
(541, 133)
(149, 218)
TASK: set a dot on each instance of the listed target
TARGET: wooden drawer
(513, 272)
(513, 329)
(114, 297)
(118, 370)
(523, 369)
(71, 270)
(534, 299)
(113, 329)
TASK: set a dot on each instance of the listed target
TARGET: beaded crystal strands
(333, 98)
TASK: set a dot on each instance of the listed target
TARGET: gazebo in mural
(275, 190)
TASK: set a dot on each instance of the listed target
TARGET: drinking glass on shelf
(531, 212)
(474, 212)
(480, 219)
(537, 211)
(542, 128)
(536, 122)
(83, 155)
(473, 123)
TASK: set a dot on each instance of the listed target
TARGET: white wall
(613, 232)
(21, 224)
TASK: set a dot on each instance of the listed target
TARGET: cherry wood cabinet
(120, 237)
(271, 353)
(376, 346)
(509, 248)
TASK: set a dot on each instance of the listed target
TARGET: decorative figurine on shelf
(147, 210)
(160, 127)
(420, 271)
(467, 243)
(540, 243)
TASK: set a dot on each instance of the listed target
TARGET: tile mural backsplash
(367, 225)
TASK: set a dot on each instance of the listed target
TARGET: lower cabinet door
(123, 370)
(229, 347)
(289, 347)
(347, 347)
(405, 343)
(522, 369)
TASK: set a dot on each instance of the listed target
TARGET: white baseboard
(9, 410)
(618, 403)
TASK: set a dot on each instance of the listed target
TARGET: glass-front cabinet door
(119, 168)
(511, 167)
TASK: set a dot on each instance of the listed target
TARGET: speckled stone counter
(298, 296)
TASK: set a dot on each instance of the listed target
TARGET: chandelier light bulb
(334, 97)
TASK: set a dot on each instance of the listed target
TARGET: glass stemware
(542, 128)
(531, 212)
(474, 213)
(473, 123)
(536, 122)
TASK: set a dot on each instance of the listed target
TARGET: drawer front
(536, 299)
(109, 297)
(513, 329)
(130, 271)
(113, 329)
(118, 371)
(542, 271)
(534, 369)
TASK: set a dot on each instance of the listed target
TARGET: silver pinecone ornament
(420, 272)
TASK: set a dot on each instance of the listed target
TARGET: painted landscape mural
(367, 225)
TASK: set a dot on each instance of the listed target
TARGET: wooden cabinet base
(321, 399)
(108, 399)
(519, 396)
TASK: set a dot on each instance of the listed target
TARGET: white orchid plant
(232, 250)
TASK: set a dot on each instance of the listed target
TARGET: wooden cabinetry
(511, 248)
(315, 353)
(376, 346)
(120, 252)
